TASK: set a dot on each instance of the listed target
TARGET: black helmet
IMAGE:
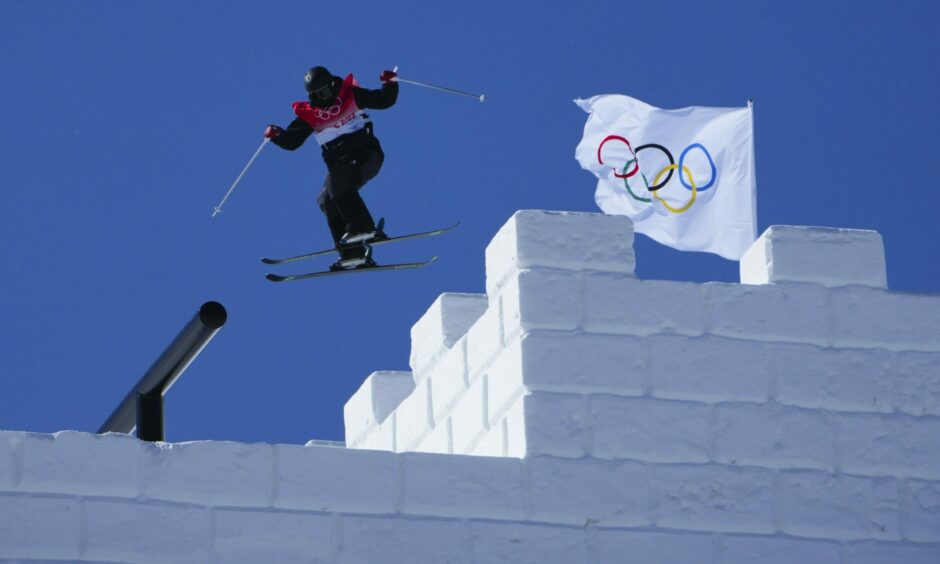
(321, 86)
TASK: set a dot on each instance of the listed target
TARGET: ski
(298, 258)
(363, 268)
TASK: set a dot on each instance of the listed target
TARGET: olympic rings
(627, 184)
(327, 113)
(656, 185)
(688, 173)
(627, 143)
(662, 178)
(710, 162)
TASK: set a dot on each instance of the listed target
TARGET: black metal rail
(142, 407)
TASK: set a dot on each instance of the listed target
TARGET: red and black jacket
(323, 121)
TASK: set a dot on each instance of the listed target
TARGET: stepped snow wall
(573, 413)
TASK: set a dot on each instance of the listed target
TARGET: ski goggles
(324, 93)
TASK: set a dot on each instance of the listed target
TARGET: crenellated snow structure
(572, 414)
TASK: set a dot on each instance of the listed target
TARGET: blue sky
(124, 123)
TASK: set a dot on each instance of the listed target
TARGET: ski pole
(479, 97)
(218, 208)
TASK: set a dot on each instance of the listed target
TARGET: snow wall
(573, 414)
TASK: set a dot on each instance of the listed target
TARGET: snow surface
(573, 413)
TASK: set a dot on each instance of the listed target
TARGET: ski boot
(352, 258)
(366, 236)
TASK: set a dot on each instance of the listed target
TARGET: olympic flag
(685, 177)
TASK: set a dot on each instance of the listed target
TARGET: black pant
(347, 173)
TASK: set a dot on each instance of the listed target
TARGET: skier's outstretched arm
(379, 99)
(292, 137)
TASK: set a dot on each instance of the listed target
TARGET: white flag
(685, 177)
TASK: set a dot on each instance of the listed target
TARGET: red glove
(272, 131)
(388, 76)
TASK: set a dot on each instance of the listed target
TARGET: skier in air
(334, 115)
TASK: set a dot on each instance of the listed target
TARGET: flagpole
(750, 106)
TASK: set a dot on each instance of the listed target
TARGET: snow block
(921, 511)
(449, 379)
(504, 383)
(515, 429)
(8, 442)
(484, 341)
(773, 436)
(376, 539)
(777, 550)
(889, 445)
(109, 464)
(867, 317)
(381, 437)
(378, 396)
(559, 240)
(455, 486)
(209, 472)
(39, 527)
(123, 531)
(915, 387)
(446, 321)
(540, 299)
(527, 544)
(789, 313)
(469, 417)
(834, 379)
(270, 536)
(713, 498)
(413, 418)
(588, 491)
(649, 429)
(439, 440)
(566, 362)
(815, 504)
(818, 255)
(626, 306)
(708, 369)
(611, 545)
(869, 552)
(555, 424)
(320, 478)
(493, 441)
